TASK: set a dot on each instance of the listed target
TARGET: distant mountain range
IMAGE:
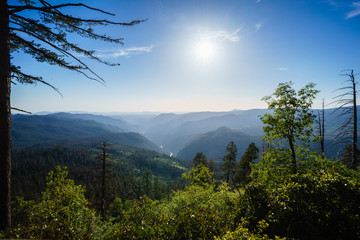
(180, 135)
(29, 131)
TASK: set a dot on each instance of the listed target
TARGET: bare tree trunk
(5, 119)
(293, 156)
(103, 181)
(321, 120)
(354, 161)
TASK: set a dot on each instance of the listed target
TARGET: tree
(199, 176)
(146, 181)
(45, 39)
(199, 158)
(104, 164)
(321, 125)
(212, 165)
(63, 212)
(290, 121)
(347, 155)
(229, 161)
(244, 166)
(347, 132)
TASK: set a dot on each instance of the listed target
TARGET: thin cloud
(283, 69)
(124, 52)
(355, 12)
(224, 35)
(332, 3)
(258, 26)
(233, 37)
(258, 1)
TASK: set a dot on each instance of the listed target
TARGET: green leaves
(321, 205)
(62, 213)
(200, 176)
(291, 122)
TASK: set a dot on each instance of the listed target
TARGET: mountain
(172, 131)
(49, 130)
(213, 144)
(117, 123)
(175, 131)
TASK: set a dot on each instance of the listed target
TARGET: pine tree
(244, 166)
(44, 37)
(229, 161)
(104, 165)
(198, 159)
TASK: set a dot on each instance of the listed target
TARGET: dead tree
(347, 132)
(321, 125)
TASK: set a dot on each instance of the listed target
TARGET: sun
(204, 51)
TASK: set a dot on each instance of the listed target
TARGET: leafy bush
(143, 221)
(244, 234)
(62, 213)
(304, 206)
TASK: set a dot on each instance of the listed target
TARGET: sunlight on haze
(204, 51)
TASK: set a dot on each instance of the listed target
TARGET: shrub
(62, 213)
(304, 206)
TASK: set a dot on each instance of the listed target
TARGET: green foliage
(291, 122)
(201, 212)
(146, 182)
(62, 213)
(116, 209)
(347, 156)
(200, 176)
(304, 206)
(143, 221)
(320, 202)
(242, 233)
(30, 167)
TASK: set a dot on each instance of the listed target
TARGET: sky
(197, 55)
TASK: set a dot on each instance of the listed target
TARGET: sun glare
(204, 51)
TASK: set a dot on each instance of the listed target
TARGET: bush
(305, 206)
(62, 213)
(244, 234)
(143, 221)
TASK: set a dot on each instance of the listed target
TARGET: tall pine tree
(40, 29)
(229, 161)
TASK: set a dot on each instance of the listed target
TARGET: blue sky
(196, 55)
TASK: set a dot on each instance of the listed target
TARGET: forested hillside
(41, 131)
(30, 167)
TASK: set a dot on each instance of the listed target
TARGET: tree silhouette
(229, 161)
(198, 159)
(321, 126)
(44, 37)
(244, 166)
(104, 165)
